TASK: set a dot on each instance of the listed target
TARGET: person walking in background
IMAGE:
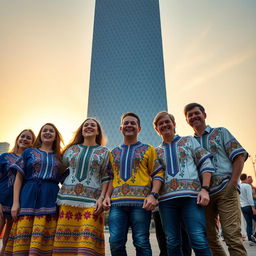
(228, 160)
(35, 191)
(24, 140)
(133, 193)
(247, 207)
(188, 171)
(80, 228)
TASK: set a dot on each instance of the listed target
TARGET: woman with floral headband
(24, 140)
(34, 207)
(81, 221)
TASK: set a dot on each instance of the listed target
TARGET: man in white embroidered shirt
(228, 159)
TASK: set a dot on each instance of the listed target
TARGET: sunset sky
(209, 55)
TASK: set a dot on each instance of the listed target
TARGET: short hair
(190, 106)
(243, 177)
(160, 115)
(130, 114)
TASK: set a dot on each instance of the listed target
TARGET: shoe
(251, 243)
(253, 239)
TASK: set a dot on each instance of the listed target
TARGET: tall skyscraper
(127, 69)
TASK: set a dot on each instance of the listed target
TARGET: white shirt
(246, 198)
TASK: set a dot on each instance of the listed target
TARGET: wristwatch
(155, 195)
(207, 188)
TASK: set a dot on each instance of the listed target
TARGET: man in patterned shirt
(133, 193)
(228, 159)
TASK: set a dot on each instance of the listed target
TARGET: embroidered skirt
(79, 232)
(32, 235)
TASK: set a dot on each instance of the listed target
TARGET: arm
(99, 204)
(150, 201)
(107, 200)
(16, 196)
(203, 197)
(237, 167)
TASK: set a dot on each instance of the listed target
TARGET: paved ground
(251, 250)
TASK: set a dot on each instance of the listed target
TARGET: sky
(209, 56)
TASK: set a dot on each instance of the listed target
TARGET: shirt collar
(207, 130)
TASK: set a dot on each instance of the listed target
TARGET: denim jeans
(120, 218)
(248, 215)
(184, 210)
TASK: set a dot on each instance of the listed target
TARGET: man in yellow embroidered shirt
(133, 193)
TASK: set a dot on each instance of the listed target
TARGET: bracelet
(101, 197)
(207, 188)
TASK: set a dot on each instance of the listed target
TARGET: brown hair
(16, 147)
(79, 139)
(190, 106)
(160, 115)
(56, 146)
(130, 114)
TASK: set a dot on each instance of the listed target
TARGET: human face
(249, 180)
(25, 140)
(90, 128)
(129, 126)
(196, 118)
(165, 126)
(48, 134)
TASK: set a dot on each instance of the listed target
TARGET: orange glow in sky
(209, 55)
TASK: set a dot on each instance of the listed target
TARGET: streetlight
(253, 159)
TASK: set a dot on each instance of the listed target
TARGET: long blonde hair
(56, 146)
(15, 149)
(78, 136)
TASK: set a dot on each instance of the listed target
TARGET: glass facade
(127, 69)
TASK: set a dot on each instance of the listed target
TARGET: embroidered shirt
(89, 167)
(41, 175)
(134, 167)
(7, 178)
(224, 148)
(184, 161)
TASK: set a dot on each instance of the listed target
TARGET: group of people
(193, 179)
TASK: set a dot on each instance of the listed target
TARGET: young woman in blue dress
(24, 140)
(35, 191)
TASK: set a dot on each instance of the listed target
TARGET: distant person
(250, 182)
(24, 140)
(35, 191)
(82, 193)
(228, 160)
(247, 207)
(133, 193)
(188, 171)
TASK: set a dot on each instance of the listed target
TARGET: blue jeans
(248, 215)
(120, 218)
(175, 211)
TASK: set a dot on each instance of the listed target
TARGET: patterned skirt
(79, 232)
(32, 235)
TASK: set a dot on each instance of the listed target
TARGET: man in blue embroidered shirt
(228, 159)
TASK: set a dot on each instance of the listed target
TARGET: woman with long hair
(80, 228)
(24, 140)
(36, 187)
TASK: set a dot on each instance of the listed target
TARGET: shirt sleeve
(249, 195)
(20, 163)
(154, 165)
(106, 168)
(202, 157)
(232, 147)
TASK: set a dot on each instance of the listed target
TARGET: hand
(253, 211)
(1, 212)
(15, 210)
(203, 198)
(150, 203)
(106, 203)
(233, 182)
(98, 208)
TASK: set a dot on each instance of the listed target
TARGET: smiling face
(25, 140)
(48, 134)
(196, 118)
(90, 128)
(165, 126)
(130, 127)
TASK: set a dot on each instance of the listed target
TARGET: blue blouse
(41, 175)
(7, 178)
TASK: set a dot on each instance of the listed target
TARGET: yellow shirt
(134, 167)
